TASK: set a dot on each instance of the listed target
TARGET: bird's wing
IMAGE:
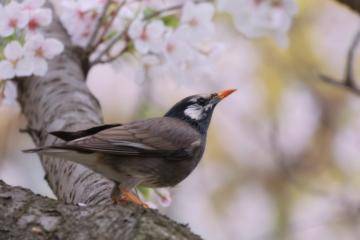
(153, 137)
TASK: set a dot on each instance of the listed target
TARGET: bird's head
(197, 109)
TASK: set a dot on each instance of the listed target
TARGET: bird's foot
(128, 196)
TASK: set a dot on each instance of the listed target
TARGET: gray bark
(25, 215)
(62, 101)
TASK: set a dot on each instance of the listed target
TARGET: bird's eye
(202, 101)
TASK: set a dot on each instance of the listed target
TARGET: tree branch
(349, 82)
(25, 215)
(98, 25)
(61, 101)
(353, 4)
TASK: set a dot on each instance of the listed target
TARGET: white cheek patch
(194, 99)
(208, 107)
(194, 111)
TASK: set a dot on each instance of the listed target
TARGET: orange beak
(225, 93)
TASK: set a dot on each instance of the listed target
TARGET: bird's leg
(127, 195)
(119, 195)
(115, 194)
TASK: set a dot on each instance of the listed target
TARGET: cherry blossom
(258, 18)
(39, 18)
(157, 4)
(39, 49)
(156, 197)
(27, 52)
(80, 17)
(163, 196)
(177, 51)
(12, 17)
(15, 63)
(32, 4)
(126, 13)
(196, 21)
(147, 37)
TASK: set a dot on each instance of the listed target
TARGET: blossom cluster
(24, 51)
(259, 18)
(175, 37)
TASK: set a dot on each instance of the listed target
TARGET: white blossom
(12, 17)
(15, 63)
(258, 18)
(178, 51)
(32, 4)
(196, 21)
(80, 17)
(157, 197)
(163, 196)
(39, 49)
(39, 18)
(147, 37)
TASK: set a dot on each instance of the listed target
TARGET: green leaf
(149, 12)
(10, 38)
(171, 21)
(130, 47)
(144, 191)
(110, 35)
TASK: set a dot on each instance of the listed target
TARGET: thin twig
(349, 72)
(121, 35)
(97, 60)
(340, 84)
(349, 82)
(112, 58)
(169, 9)
(107, 26)
(161, 11)
(98, 25)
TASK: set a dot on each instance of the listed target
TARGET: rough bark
(353, 4)
(62, 101)
(25, 215)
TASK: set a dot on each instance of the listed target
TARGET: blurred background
(283, 153)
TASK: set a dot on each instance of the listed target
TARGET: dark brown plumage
(157, 152)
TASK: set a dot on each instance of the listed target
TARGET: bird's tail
(59, 151)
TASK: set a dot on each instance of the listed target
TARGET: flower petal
(136, 29)
(155, 29)
(52, 47)
(14, 11)
(13, 51)
(6, 70)
(43, 16)
(32, 4)
(5, 30)
(24, 67)
(187, 11)
(141, 46)
(205, 11)
(40, 68)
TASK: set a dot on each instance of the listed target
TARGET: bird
(155, 152)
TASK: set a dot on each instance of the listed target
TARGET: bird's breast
(173, 171)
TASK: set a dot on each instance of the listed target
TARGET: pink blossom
(15, 62)
(39, 49)
(12, 17)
